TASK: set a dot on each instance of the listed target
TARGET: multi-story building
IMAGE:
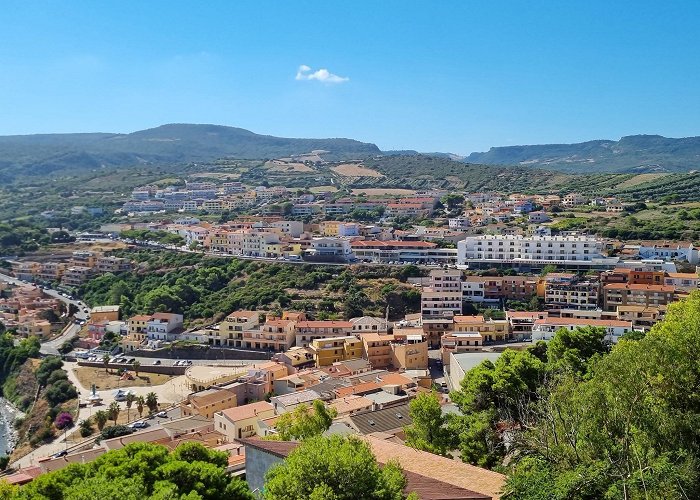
(242, 421)
(458, 342)
(274, 335)
(308, 331)
(108, 264)
(459, 223)
(490, 329)
(84, 258)
(52, 271)
(521, 322)
(641, 317)
(566, 291)
(682, 281)
(409, 350)
(682, 251)
(402, 251)
(330, 248)
(533, 251)
(208, 402)
(230, 332)
(334, 349)
(369, 324)
(623, 294)
(25, 270)
(164, 326)
(446, 280)
(76, 275)
(440, 304)
(546, 328)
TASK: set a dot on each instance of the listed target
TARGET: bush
(63, 421)
(85, 428)
(60, 392)
(56, 376)
(47, 367)
(115, 431)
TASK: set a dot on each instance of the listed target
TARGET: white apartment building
(331, 247)
(546, 328)
(254, 244)
(459, 223)
(583, 251)
(440, 304)
(447, 280)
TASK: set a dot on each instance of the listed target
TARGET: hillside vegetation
(631, 154)
(164, 145)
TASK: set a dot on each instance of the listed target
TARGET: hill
(631, 154)
(164, 145)
(428, 171)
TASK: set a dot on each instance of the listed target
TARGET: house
(242, 421)
(538, 217)
(208, 402)
(521, 322)
(287, 402)
(164, 326)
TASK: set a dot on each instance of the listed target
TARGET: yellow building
(331, 350)
(207, 403)
(490, 329)
(329, 227)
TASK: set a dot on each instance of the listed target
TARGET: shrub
(63, 420)
(60, 392)
(115, 431)
(85, 428)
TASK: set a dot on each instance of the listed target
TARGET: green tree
(152, 402)
(140, 403)
(304, 422)
(105, 361)
(85, 427)
(136, 366)
(101, 418)
(130, 398)
(573, 349)
(139, 471)
(333, 468)
(429, 430)
(113, 411)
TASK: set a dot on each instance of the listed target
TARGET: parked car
(162, 414)
(138, 425)
(156, 362)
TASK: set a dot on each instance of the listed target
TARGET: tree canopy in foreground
(136, 472)
(334, 468)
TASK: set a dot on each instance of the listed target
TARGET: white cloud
(322, 75)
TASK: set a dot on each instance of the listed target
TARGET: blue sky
(433, 76)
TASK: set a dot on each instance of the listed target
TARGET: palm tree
(152, 402)
(113, 411)
(101, 418)
(105, 360)
(140, 403)
(136, 366)
(130, 398)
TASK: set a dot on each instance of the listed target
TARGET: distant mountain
(167, 144)
(631, 154)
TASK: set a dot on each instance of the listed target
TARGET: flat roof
(469, 360)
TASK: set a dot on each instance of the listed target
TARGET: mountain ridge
(641, 153)
(166, 144)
